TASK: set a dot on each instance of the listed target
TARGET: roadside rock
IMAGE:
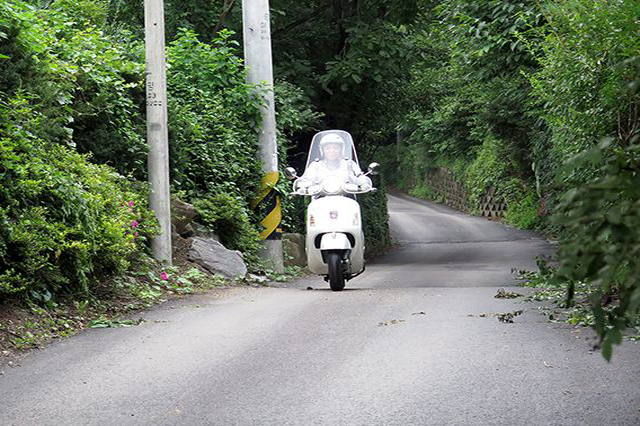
(293, 246)
(258, 279)
(202, 231)
(182, 215)
(215, 258)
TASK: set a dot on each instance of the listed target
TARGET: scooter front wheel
(336, 271)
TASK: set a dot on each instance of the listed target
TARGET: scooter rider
(334, 162)
(334, 241)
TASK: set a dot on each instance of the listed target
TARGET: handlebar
(348, 188)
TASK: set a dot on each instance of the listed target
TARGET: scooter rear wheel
(336, 271)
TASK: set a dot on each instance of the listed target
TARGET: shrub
(64, 222)
(424, 191)
(231, 220)
(523, 212)
(213, 119)
(588, 84)
(86, 86)
(489, 169)
(375, 220)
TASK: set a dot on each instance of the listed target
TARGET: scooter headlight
(331, 185)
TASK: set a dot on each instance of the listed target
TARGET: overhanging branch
(307, 18)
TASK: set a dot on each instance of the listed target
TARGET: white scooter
(335, 243)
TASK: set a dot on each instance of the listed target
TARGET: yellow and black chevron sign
(268, 206)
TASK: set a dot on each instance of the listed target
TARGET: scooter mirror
(291, 173)
(373, 169)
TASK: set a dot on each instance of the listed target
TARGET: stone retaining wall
(448, 189)
(453, 194)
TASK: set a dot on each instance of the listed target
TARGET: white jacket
(347, 170)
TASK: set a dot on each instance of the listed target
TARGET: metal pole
(257, 52)
(157, 134)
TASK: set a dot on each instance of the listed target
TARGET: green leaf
(607, 349)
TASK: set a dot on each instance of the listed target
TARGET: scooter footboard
(335, 241)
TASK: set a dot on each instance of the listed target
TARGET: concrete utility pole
(257, 53)
(157, 134)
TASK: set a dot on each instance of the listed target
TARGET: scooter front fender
(335, 241)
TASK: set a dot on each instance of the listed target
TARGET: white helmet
(331, 138)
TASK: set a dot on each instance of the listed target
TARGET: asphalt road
(403, 344)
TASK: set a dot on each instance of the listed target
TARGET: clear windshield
(332, 166)
(316, 152)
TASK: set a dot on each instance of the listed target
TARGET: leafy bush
(602, 242)
(375, 216)
(375, 220)
(488, 169)
(588, 83)
(87, 86)
(230, 219)
(294, 110)
(64, 222)
(523, 212)
(213, 118)
(424, 191)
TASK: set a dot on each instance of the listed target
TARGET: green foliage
(230, 219)
(204, 17)
(64, 223)
(375, 220)
(84, 85)
(486, 33)
(523, 213)
(488, 170)
(424, 191)
(294, 110)
(213, 119)
(213, 129)
(67, 224)
(375, 217)
(587, 83)
(602, 245)
(584, 67)
(349, 57)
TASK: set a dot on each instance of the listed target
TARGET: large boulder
(217, 259)
(293, 247)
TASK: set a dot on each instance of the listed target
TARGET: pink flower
(164, 276)
(134, 223)
(136, 234)
(131, 203)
